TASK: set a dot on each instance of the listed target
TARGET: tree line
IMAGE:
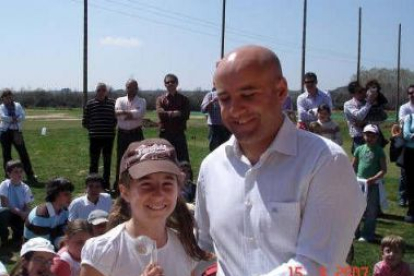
(66, 98)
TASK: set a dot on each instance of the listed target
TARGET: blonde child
(150, 183)
(392, 251)
(36, 258)
(76, 234)
(329, 129)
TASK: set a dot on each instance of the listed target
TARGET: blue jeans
(371, 213)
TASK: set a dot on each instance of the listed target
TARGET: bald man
(273, 200)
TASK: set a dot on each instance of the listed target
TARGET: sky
(41, 41)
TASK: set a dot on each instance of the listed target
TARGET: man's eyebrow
(247, 88)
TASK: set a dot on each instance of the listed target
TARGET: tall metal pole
(85, 52)
(359, 44)
(223, 27)
(398, 72)
(305, 7)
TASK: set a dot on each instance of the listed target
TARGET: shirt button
(248, 203)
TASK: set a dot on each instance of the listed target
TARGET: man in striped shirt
(100, 121)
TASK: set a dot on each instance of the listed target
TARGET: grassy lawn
(63, 151)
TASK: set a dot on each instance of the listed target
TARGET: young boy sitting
(94, 199)
(48, 220)
(369, 163)
(392, 251)
(15, 197)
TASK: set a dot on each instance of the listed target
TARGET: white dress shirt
(405, 109)
(81, 207)
(307, 105)
(297, 208)
(6, 119)
(137, 106)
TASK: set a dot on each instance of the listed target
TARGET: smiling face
(16, 175)
(251, 91)
(152, 197)
(392, 256)
(39, 264)
(324, 115)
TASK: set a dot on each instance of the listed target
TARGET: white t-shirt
(18, 195)
(114, 254)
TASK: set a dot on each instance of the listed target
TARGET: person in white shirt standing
(405, 110)
(12, 115)
(273, 200)
(129, 111)
(308, 101)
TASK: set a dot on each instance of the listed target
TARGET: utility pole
(223, 27)
(85, 52)
(398, 72)
(305, 7)
(359, 44)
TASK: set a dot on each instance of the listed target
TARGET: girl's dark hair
(324, 107)
(19, 269)
(373, 83)
(57, 185)
(77, 226)
(180, 220)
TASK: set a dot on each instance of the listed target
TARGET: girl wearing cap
(36, 257)
(150, 184)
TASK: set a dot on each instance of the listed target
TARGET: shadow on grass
(391, 217)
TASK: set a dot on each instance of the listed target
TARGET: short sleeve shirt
(114, 254)
(18, 194)
(369, 160)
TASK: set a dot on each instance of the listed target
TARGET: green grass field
(63, 151)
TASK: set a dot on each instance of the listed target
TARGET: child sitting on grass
(15, 197)
(392, 250)
(369, 164)
(48, 220)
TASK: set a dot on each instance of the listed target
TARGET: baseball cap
(97, 217)
(37, 244)
(371, 128)
(150, 156)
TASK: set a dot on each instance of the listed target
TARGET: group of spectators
(271, 200)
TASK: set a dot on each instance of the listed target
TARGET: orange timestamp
(340, 271)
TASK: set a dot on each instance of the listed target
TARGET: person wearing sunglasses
(308, 101)
(173, 109)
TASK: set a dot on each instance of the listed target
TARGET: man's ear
(281, 89)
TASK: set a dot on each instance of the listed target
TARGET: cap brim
(153, 166)
(22, 253)
(98, 221)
